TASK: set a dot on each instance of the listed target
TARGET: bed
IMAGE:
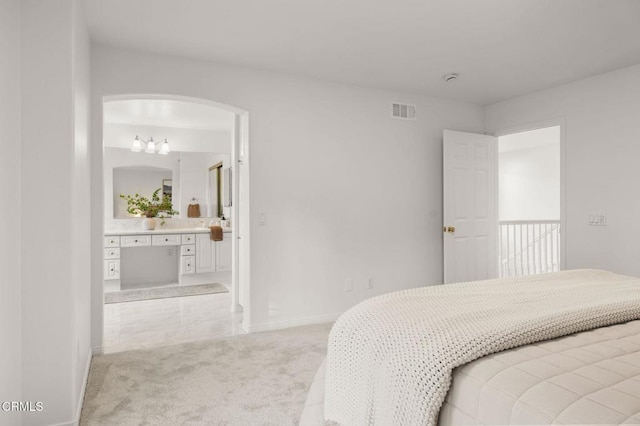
(555, 348)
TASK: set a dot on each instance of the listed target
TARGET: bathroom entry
(199, 142)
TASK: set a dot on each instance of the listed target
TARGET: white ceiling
(168, 113)
(500, 48)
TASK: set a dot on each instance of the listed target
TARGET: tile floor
(160, 322)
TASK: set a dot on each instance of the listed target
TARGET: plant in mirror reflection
(139, 205)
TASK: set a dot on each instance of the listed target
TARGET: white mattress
(592, 377)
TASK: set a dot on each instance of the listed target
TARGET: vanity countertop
(163, 231)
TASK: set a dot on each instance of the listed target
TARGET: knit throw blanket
(390, 358)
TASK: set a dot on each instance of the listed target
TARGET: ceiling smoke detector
(451, 76)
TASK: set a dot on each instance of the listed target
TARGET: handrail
(528, 222)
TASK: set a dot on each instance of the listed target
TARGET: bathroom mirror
(185, 176)
(130, 180)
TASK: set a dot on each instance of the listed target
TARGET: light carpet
(163, 292)
(252, 379)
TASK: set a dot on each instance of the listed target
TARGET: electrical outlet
(348, 285)
(370, 283)
(170, 252)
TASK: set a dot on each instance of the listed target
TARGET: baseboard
(84, 387)
(276, 325)
(65, 424)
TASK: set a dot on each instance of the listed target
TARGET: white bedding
(390, 359)
(592, 377)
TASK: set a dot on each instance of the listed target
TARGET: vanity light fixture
(149, 146)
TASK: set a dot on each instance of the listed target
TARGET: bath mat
(163, 292)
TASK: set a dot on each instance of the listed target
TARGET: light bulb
(164, 148)
(137, 145)
(151, 146)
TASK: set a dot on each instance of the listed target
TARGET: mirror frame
(167, 188)
(218, 167)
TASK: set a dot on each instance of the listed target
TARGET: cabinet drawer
(188, 265)
(112, 253)
(188, 250)
(112, 269)
(135, 241)
(188, 238)
(111, 241)
(165, 240)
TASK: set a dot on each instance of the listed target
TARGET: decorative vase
(149, 223)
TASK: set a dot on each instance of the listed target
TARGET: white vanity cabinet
(112, 241)
(112, 258)
(135, 240)
(223, 255)
(200, 260)
(187, 265)
(112, 269)
(188, 238)
(166, 240)
(188, 254)
(213, 256)
(205, 254)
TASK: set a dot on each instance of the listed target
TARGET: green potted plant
(149, 208)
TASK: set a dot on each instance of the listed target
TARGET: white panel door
(469, 195)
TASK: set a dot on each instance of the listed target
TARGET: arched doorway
(160, 113)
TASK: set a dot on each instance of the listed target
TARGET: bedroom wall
(10, 321)
(54, 210)
(602, 136)
(346, 191)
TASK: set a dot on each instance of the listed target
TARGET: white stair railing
(528, 247)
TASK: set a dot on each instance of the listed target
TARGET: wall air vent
(403, 111)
